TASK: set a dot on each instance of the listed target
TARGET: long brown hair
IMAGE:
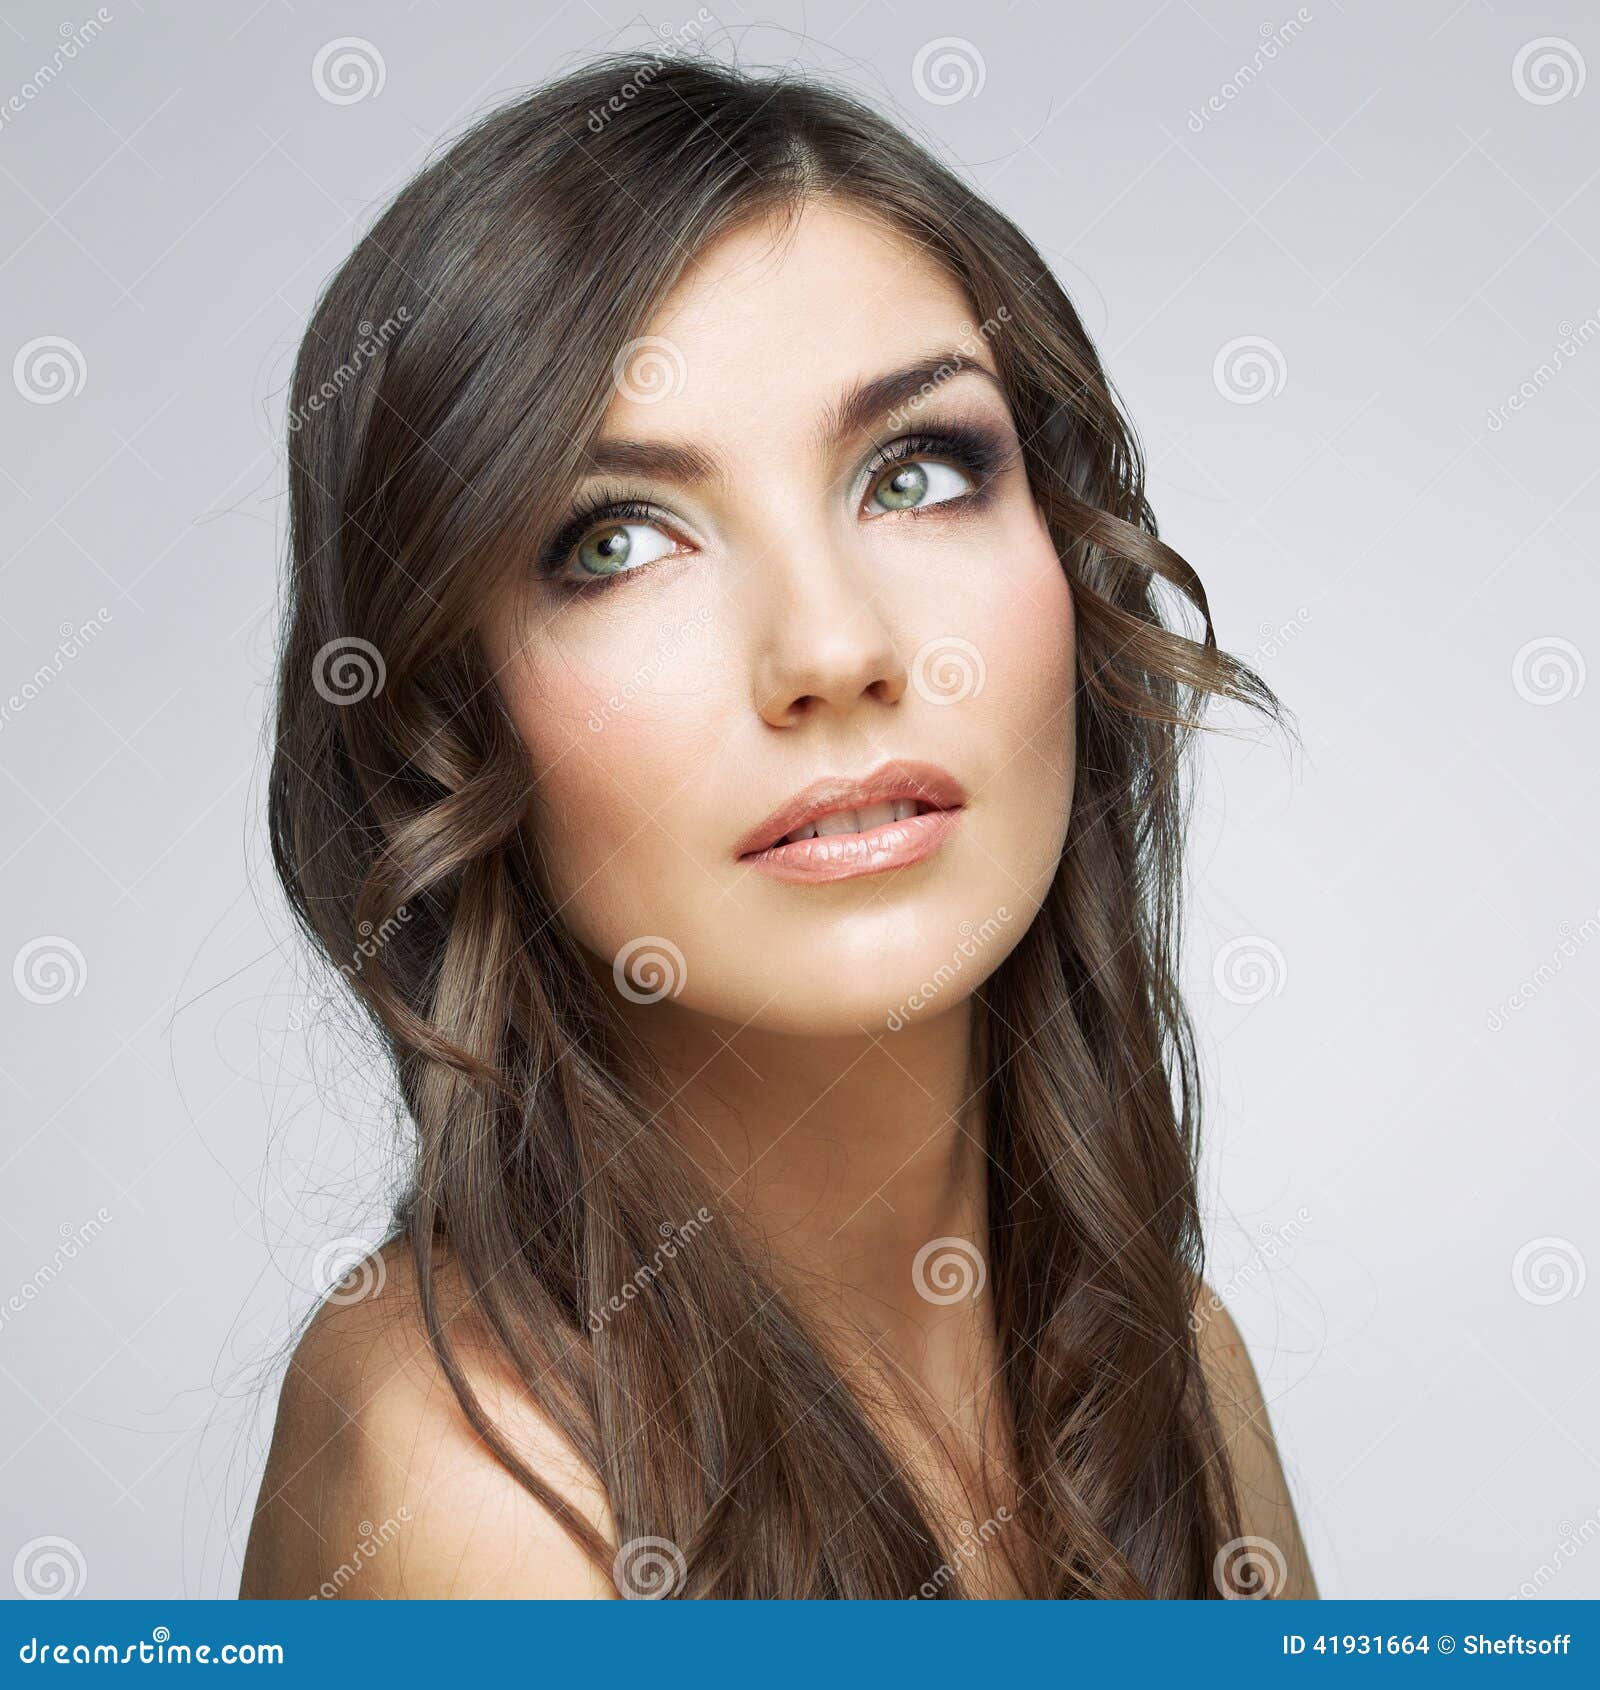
(454, 368)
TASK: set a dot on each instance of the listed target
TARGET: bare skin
(845, 1143)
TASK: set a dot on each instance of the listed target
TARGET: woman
(729, 741)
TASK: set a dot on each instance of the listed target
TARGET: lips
(889, 796)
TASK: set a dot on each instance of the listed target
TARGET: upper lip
(898, 778)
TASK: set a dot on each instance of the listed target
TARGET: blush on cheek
(618, 752)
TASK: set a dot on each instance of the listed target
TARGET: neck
(845, 1158)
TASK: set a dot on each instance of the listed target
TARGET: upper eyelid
(926, 442)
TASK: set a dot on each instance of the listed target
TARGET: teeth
(842, 821)
(855, 821)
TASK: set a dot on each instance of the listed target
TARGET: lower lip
(844, 856)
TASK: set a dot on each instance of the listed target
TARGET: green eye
(903, 489)
(604, 552)
(917, 484)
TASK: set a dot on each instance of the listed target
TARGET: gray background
(1392, 956)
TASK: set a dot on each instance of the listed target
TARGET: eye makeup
(981, 449)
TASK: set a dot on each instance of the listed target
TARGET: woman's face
(807, 551)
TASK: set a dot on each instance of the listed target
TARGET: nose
(826, 646)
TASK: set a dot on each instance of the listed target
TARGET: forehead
(776, 317)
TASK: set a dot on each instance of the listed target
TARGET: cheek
(617, 717)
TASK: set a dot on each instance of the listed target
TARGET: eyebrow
(855, 412)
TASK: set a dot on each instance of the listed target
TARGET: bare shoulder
(377, 1485)
(1266, 1507)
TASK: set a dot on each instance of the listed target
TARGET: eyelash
(979, 451)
